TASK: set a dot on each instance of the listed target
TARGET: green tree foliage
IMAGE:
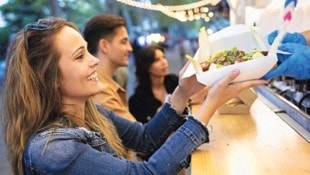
(18, 13)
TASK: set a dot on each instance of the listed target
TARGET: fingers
(283, 47)
(271, 74)
(228, 79)
(245, 84)
(252, 83)
(289, 47)
(278, 71)
(283, 57)
(242, 85)
(292, 47)
(272, 36)
(225, 89)
(288, 38)
(226, 82)
(296, 38)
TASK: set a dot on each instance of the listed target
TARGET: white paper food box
(239, 36)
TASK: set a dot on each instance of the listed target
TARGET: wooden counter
(256, 144)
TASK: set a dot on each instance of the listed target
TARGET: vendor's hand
(295, 65)
(288, 38)
(221, 92)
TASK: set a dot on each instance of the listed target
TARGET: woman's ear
(103, 46)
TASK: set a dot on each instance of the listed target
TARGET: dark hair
(101, 26)
(144, 59)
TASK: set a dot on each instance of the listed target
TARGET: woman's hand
(187, 87)
(221, 92)
(200, 96)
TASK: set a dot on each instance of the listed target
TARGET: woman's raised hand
(221, 92)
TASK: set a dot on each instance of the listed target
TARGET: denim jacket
(80, 151)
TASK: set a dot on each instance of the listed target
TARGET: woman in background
(154, 82)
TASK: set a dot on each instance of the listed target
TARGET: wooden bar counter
(260, 143)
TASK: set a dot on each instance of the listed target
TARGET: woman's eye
(80, 57)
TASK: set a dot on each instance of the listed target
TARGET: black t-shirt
(143, 105)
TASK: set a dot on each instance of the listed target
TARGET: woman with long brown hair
(52, 126)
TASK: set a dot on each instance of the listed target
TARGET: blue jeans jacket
(80, 151)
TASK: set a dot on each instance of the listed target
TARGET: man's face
(119, 48)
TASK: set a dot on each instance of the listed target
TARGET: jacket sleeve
(149, 137)
(67, 154)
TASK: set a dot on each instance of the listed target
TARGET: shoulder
(51, 136)
(57, 146)
(109, 83)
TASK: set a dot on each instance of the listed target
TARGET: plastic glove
(295, 65)
(288, 38)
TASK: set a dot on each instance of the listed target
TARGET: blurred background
(143, 24)
(146, 23)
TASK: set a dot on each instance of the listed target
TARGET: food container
(240, 36)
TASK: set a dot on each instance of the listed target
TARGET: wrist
(186, 111)
(205, 111)
(178, 100)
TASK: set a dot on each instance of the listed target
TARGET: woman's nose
(165, 61)
(94, 61)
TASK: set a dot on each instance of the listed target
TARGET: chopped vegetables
(229, 57)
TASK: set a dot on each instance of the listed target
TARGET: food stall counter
(252, 144)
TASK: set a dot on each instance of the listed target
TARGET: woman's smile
(93, 77)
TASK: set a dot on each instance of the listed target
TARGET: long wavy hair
(32, 101)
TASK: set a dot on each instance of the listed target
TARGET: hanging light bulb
(173, 11)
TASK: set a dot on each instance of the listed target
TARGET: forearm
(306, 34)
(149, 137)
(175, 151)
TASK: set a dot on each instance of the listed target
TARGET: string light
(181, 12)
